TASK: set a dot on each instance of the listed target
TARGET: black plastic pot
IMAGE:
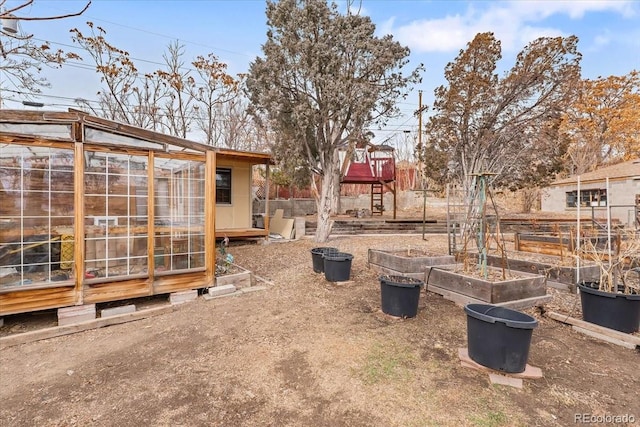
(400, 295)
(498, 337)
(611, 310)
(337, 266)
(317, 257)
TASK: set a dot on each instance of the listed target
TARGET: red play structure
(371, 164)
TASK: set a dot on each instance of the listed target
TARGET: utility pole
(420, 119)
(420, 171)
(420, 150)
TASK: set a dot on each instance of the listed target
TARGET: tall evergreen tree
(323, 79)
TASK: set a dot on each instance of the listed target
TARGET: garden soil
(306, 352)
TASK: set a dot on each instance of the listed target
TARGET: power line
(163, 35)
(81, 49)
(50, 96)
(398, 129)
(79, 100)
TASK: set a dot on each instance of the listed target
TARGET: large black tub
(499, 338)
(317, 257)
(337, 266)
(612, 310)
(400, 295)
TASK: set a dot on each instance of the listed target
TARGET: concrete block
(252, 289)
(504, 380)
(300, 223)
(108, 312)
(76, 314)
(530, 372)
(183, 296)
(216, 291)
(239, 280)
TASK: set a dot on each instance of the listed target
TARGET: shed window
(587, 198)
(115, 208)
(223, 186)
(179, 214)
(36, 215)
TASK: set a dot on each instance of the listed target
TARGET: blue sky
(435, 31)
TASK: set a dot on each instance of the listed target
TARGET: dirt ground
(307, 352)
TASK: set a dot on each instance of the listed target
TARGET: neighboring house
(622, 196)
(93, 210)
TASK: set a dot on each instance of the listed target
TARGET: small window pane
(223, 186)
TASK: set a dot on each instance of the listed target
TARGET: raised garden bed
(551, 244)
(560, 270)
(408, 262)
(494, 290)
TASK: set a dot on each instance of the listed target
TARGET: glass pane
(223, 186)
(197, 260)
(11, 205)
(36, 203)
(36, 225)
(56, 131)
(179, 214)
(95, 183)
(100, 136)
(62, 181)
(139, 246)
(223, 178)
(116, 241)
(95, 206)
(223, 196)
(36, 214)
(118, 205)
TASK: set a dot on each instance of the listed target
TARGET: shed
(93, 210)
(623, 197)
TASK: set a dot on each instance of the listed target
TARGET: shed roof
(628, 169)
(15, 127)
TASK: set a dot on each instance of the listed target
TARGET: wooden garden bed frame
(560, 276)
(453, 279)
(436, 271)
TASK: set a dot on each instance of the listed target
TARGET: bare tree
(178, 108)
(176, 99)
(217, 99)
(234, 126)
(603, 125)
(22, 57)
(497, 131)
(507, 126)
(118, 73)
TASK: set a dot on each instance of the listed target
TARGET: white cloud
(513, 23)
(527, 34)
(629, 41)
(439, 35)
(575, 9)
